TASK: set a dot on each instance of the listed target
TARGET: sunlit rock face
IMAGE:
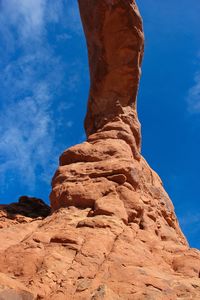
(115, 43)
(107, 173)
(113, 233)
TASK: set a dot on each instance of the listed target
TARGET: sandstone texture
(113, 233)
(24, 211)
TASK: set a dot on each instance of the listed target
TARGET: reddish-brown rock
(113, 233)
(115, 43)
(72, 255)
(23, 211)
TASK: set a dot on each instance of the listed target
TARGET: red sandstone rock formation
(113, 233)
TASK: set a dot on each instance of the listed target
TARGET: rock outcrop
(24, 211)
(113, 233)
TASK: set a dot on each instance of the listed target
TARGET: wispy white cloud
(26, 137)
(28, 131)
(29, 84)
(63, 36)
(193, 98)
(190, 219)
(23, 21)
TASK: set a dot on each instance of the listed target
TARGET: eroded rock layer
(71, 255)
(115, 43)
(107, 173)
(113, 233)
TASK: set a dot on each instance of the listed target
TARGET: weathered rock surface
(72, 255)
(24, 211)
(113, 233)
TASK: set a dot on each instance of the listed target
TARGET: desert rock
(113, 233)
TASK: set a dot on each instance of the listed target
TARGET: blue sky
(44, 86)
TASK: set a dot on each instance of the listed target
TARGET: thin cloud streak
(29, 83)
(190, 219)
(193, 98)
